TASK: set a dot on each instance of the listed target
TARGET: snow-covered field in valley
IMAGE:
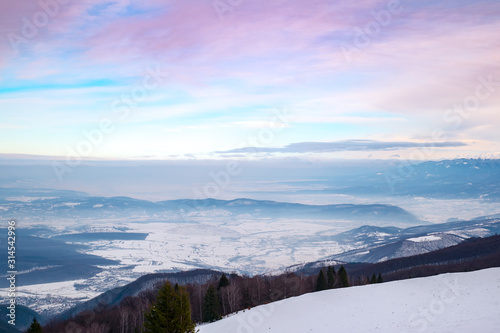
(458, 302)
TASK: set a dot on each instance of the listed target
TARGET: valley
(110, 241)
(120, 252)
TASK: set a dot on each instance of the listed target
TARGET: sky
(249, 79)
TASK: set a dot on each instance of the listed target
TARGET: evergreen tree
(35, 327)
(211, 310)
(321, 281)
(344, 280)
(330, 274)
(171, 313)
(379, 278)
(223, 282)
(184, 320)
(374, 279)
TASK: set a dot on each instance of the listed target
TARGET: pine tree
(171, 313)
(211, 310)
(321, 281)
(183, 320)
(379, 278)
(374, 279)
(223, 282)
(344, 280)
(330, 274)
(35, 327)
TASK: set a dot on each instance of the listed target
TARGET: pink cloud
(421, 53)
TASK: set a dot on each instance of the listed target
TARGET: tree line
(174, 308)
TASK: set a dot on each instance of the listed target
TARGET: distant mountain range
(448, 179)
(45, 206)
(460, 178)
(376, 244)
(471, 254)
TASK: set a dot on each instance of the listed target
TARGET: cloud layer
(346, 145)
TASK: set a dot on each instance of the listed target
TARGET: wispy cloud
(346, 145)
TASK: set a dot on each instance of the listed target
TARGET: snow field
(458, 302)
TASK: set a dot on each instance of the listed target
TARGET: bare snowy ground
(459, 302)
(251, 246)
(247, 246)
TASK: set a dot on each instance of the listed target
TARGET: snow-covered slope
(376, 244)
(459, 302)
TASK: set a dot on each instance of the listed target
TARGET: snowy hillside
(459, 302)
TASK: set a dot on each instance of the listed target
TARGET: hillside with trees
(165, 306)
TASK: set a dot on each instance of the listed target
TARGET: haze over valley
(222, 155)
